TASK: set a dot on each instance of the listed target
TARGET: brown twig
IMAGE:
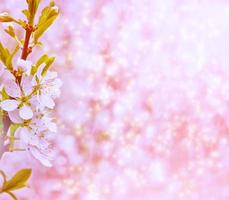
(26, 49)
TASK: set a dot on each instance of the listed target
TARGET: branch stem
(26, 49)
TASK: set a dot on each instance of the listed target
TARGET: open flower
(20, 96)
(36, 143)
(48, 88)
(34, 136)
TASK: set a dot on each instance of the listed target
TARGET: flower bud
(5, 17)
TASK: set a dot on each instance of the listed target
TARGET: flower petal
(47, 101)
(12, 89)
(26, 85)
(24, 135)
(9, 105)
(52, 127)
(39, 71)
(26, 112)
(7, 76)
(25, 65)
(14, 116)
(50, 75)
(39, 156)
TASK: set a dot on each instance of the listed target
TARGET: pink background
(144, 110)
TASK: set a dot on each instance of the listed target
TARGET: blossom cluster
(27, 97)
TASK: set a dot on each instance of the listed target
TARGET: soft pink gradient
(144, 111)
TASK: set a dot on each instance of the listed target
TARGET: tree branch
(26, 49)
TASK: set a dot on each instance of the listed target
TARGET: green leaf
(18, 181)
(4, 95)
(43, 27)
(5, 17)
(10, 57)
(46, 19)
(44, 59)
(48, 12)
(40, 44)
(10, 31)
(26, 13)
(4, 55)
(48, 65)
(32, 9)
(22, 23)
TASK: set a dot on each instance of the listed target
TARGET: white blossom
(28, 101)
